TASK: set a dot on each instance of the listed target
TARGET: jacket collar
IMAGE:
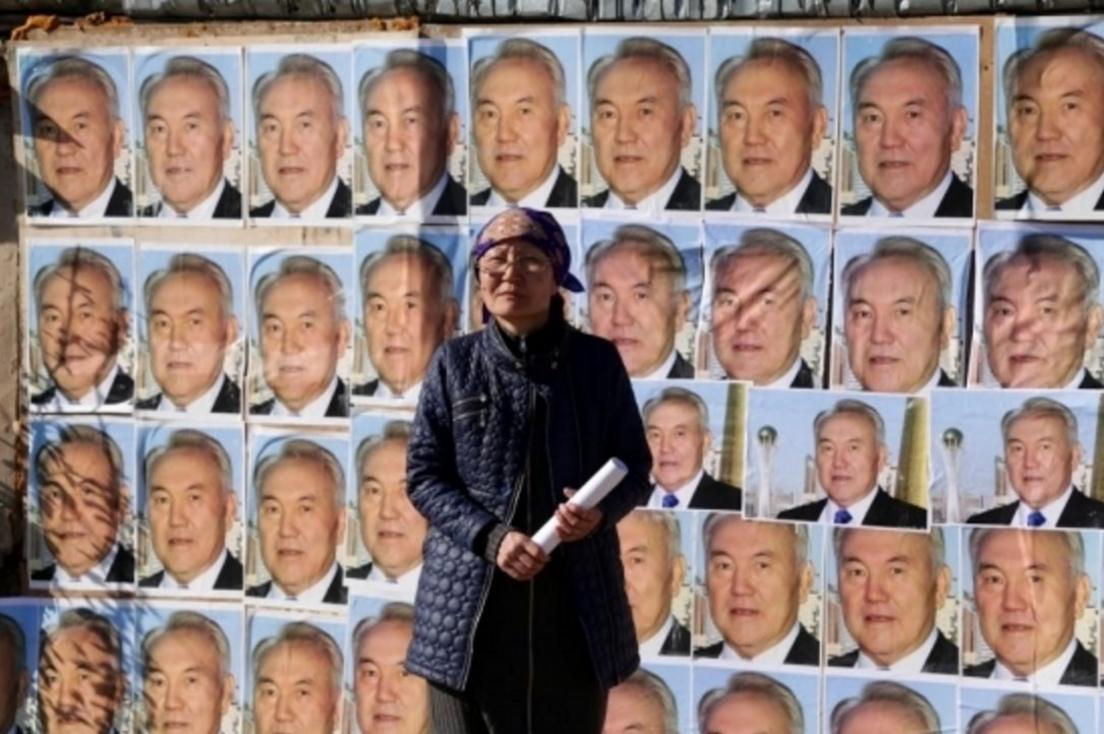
(535, 353)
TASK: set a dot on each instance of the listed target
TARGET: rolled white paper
(590, 494)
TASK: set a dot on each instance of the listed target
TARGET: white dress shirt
(923, 209)
(858, 509)
(407, 582)
(650, 647)
(536, 199)
(908, 665)
(653, 204)
(420, 208)
(200, 406)
(205, 581)
(1079, 206)
(410, 395)
(1075, 381)
(684, 493)
(314, 409)
(1051, 511)
(784, 205)
(1048, 675)
(91, 400)
(95, 209)
(312, 595)
(787, 377)
(203, 210)
(664, 368)
(774, 655)
(95, 575)
(315, 210)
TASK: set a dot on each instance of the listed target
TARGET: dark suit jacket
(677, 641)
(121, 571)
(713, 494)
(122, 390)
(804, 376)
(686, 196)
(885, 511)
(817, 199)
(1088, 382)
(804, 651)
(229, 578)
(228, 206)
(945, 379)
(121, 204)
(1017, 201)
(1081, 511)
(1081, 671)
(338, 407)
(341, 205)
(957, 202)
(335, 592)
(453, 202)
(564, 193)
(942, 659)
(367, 388)
(228, 399)
(360, 572)
(681, 369)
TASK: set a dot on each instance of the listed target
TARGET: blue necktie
(1036, 519)
(842, 517)
(669, 501)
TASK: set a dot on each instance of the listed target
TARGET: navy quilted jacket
(465, 464)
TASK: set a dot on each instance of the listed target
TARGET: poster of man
(655, 698)
(783, 701)
(904, 706)
(77, 146)
(19, 631)
(524, 93)
(772, 122)
(908, 122)
(994, 711)
(188, 125)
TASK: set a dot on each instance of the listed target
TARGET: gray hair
(189, 438)
(190, 263)
(50, 452)
(906, 248)
(300, 65)
(642, 47)
(765, 241)
(187, 66)
(77, 258)
(71, 67)
(1051, 40)
(430, 69)
(1041, 406)
(97, 624)
(649, 243)
(656, 690)
(185, 620)
(894, 694)
(431, 256)
(668, 523)
(916, 49)
(681, 395)
(714, 520)
(1039, 709)
(302, 265)
(1036, 247)
(852, 407)
(17, 640)
(524, 49)
(773, 50)
(755, 684)
(1075, 545)
(304, 632)
(396, 611)
(937, 544)
(393, 430)
(302, 450)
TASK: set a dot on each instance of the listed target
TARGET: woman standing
(511, 639)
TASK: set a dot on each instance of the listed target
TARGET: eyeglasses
(496, 264)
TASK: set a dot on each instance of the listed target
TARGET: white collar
(314, 409)
(203, 582)
(95, 209)
(1051, 511)
(200, 406)
(774, 655)
(784, 205)
(787, 378)
(858, 509)
(1048, 675)
(911, 663)
(923, 209)
(203, 210)
(664, 368)
(410, 395)
(314, 594)
(537, 198)
(1075, 381)
(315, 210)
(406, 582)
(1082, 203)
(420, 208)
(683, 493)
(654, 203)
(95, 575)
(91, 400)
(933, 381)
(650, 647)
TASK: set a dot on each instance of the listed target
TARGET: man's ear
(820, 125)
(942, 586)
(688, 125)
(808, 317)
(228, 691)
(231, 508)
(682, 311)
(805, 583)
(118, 138)
(1092, 326)
(231, 335)
(959, 123)
(453, 135)
(227, 139)
(883, 458)
(342, 138)
(563, 124)
(451, 317)
(1081, 594)
(344, 331)
(678, 574)
(947, 329)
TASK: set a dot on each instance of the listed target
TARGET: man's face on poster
(653, 571)
(1040, 458)
(747, 712)
(184, 687)
(295, 692)
(388, 699)
(849, 457)
(678, 443)
(80, 686)
(390, 528)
